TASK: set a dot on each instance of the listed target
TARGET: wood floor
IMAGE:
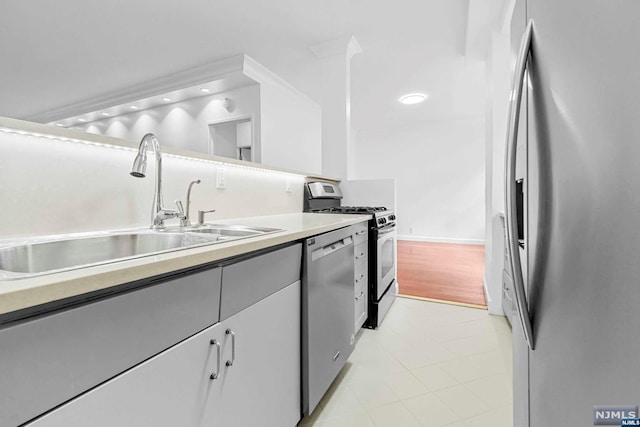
(442, 271)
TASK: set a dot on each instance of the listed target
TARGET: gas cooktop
(351, 209)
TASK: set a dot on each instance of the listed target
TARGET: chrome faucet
(184, 217)
(158, 213)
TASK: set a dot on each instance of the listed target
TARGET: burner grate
(352, 209)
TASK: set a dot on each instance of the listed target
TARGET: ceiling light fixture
(166, 99)
(105, 114)
(60, 125)
(205, 90)
(82, 120)
(133, 107)
(412, 98)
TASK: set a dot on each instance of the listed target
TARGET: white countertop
(24, 293)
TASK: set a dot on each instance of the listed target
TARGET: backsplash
(51, 186)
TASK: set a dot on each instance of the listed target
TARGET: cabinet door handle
(360, 278)
(360, 296)
(360, 232)
(214, 376)
(233, 347)
(360, 256)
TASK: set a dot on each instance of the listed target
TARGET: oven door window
(386, 261)
(387, 256)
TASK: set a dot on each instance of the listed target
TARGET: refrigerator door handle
(510, 187)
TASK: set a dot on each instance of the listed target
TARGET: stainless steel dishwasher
(327, 311)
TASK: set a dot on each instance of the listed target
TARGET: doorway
(232, 138)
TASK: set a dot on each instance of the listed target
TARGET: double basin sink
(35, 257)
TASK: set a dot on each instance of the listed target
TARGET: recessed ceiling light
(166, 99)
(205, 90)
(60, 125)
(134, 107)
(105, 114)
(412, 98)
(82, 120)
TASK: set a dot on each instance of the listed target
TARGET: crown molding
(228, 70)
(347, 46)
(261, 74)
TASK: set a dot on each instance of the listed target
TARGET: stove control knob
(392, 217)
(382, 221)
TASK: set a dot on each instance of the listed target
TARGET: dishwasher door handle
(331, 248)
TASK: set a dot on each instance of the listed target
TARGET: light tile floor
(429, 365)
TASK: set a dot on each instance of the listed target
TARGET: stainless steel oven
(383, 287)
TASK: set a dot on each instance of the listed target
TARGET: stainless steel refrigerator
(574, 140)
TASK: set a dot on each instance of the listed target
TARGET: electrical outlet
(287, 186)
(221, 179)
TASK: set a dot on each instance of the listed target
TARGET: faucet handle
(180, 209)
(201, 216)
(182, 216)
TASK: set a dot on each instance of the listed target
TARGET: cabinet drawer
(360, 233)
(361, 308)
(361, 282)
(247, 282)
(361, 253)
(47, 361)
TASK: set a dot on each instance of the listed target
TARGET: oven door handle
(387, 229)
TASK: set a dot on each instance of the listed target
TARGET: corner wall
(291, 129)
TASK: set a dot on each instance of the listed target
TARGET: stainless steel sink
(226, 231)
(36, 257)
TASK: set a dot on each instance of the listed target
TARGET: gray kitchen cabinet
(51, 358)
(261, 315)
(361, 288)
(260, 386)
(171, 389)
(253, 355)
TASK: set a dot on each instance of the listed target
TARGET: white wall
(439, 170)
(291, 129)
(369, 192)
(184, 124)
(50, 186)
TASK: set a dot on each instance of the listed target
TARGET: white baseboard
(413, 238)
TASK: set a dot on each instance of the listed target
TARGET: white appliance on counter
(574, 140)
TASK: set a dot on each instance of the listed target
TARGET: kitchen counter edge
(26, 293)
